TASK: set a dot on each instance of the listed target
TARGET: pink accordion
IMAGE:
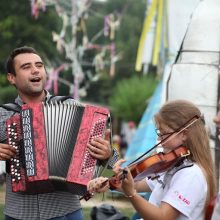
(51, 141)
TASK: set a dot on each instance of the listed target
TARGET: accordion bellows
(51, 141)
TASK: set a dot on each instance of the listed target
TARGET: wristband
(131, 196)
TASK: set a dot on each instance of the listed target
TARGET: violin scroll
(114, 183)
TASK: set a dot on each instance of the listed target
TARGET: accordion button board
(51, 144)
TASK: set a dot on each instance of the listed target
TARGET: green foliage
(8, 94)
(1, 211)
(130, 97)
(131, 14)
(19, 28)
(3, 80)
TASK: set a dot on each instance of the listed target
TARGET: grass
(1, 211)
(125, 211)
(86, 212)
(110, 199)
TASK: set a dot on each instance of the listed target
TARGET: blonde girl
(184, 190)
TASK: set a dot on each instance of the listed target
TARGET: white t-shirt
(186, 191)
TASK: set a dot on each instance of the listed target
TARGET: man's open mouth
(36, 79)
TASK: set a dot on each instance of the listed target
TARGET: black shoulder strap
(59, 98)
(17, 108)
(11, 107)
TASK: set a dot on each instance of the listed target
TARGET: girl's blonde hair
(175, 114)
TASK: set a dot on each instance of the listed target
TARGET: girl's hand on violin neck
(128, 185)
(117, 167)
(100, 184)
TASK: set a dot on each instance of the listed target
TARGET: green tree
(19, 28)
(131, 14)
(8, 94)
(130, 97)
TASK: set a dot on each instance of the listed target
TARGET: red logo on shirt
(179, 196)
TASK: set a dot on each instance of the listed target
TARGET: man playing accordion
(26, 71)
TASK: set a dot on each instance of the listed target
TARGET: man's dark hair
(10, 61)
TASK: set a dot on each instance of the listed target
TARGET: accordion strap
(17, 108)
(12, 107)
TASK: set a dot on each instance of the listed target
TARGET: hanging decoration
(36, 6)
(111, 24)
(53, 78)
(73, 14)
(153, 40)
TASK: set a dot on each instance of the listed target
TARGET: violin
(154, 164)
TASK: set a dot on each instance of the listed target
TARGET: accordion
(51, 144)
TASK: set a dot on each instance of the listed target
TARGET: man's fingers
(6, 151)
(100, 149)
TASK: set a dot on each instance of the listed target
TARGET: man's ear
(11, 78)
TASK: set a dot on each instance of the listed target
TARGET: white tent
(179, 16)
(192, 69)
(195, 74)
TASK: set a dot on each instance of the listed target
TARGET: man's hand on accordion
(100, 148)
(6, 151)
